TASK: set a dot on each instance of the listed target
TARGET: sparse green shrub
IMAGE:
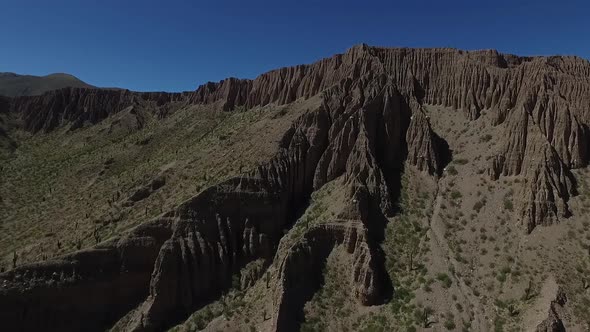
(499, 303)
(450, 324)
(479, 205)
(426, 287)
(508, 204)
(455, 195)
(571, 234)
(451, 170)
(444, 279)
(485, 138)
(499, 324)
(423, 316)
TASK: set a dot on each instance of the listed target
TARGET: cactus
(512, 310)
(96, 235)
(14, 259)
(424, 317)
(528, 292)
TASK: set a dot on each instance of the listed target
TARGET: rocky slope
(370, 127)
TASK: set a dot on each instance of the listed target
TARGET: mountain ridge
(14, 85)
(368, 117)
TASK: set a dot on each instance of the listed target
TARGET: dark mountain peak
(14, 85)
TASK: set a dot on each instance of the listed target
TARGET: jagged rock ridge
(552, 91)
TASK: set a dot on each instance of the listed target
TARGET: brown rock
(553, 322)
(96, 285)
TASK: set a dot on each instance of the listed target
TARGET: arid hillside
(13, 85)
(380, 189)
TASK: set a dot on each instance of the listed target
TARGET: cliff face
(541, 101)
(77, 106)
(222, 229)
(554, 322)
(370, 126)
(96, 285)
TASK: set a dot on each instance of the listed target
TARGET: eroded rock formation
(553, 322)
(96, 285)
(79, 106)
(229, 225)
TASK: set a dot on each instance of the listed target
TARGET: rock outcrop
(88, 290)
(368, 144)
(426, 150)
(78, 106)
(307, 257)
(543, 154)
(546, 94)
(553, 322)
(145, 191)
(229, 225)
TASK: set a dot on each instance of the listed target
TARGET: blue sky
(177, 45)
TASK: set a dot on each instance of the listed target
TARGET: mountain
(13, 85)
(379, 189)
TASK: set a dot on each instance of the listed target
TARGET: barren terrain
(380, 189)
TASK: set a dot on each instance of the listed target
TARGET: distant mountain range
(14, 85)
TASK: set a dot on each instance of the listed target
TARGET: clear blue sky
(177, 45)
